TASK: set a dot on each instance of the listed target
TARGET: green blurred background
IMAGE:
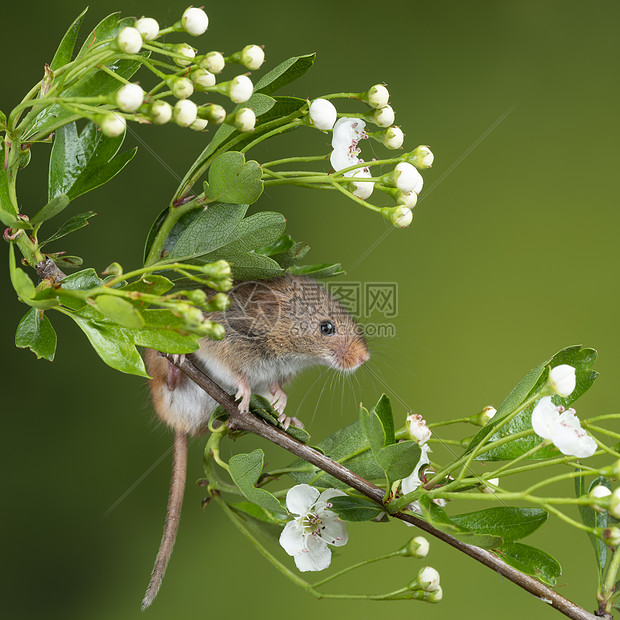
(513, 254)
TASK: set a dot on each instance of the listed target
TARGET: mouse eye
(327, 328)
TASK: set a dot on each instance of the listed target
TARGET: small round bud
(435, 596)
(378, 96)
(129, 40)
(400, 216)
(244, 119)
(362, 189)
(212, 112)
(148, 28)
(383, 117)
(195, 21)
(181, 87)
(202, 78)
(614, 505)
(407, 199)
(600, 493)
(219, 269)
(160, 112)
(407, 178)
(484, 417)
(562, 379)
(427, 579)
(192, 316)
(417, 428)
(393, 137)
(323, 114)
(113, 269)
(494, 482)
(185, 112)
(421, 158)
(213, 62)
(611, 536)
(129, 97)
(241, 89)
(252, 56)
(219, 303)
(417, 547)
(200, 124)
(185, 50)
(112, 124)
(197, 297)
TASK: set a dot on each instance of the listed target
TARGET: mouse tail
(173, 515)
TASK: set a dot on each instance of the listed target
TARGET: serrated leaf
(75, 223)
(509, 522)
(245, 470)
(65, 49)
(120, 311)
(81, 162)
(350, 508)
(233, 180)
(36, 333)
(531, 561)
(152, 284)
(285, 73)
(55, 206)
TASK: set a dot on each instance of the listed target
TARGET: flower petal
(292, 538)
(334, 531)
(301, 498)
(544, 417)
(317, 556)
(570, 438)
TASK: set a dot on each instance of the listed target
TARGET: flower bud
(600, 493)
(435, 596)
(243, 120)
(199, 124)
(195, 21)
(240, 89)
(202, 78)
(421, 158)
(417, 428)
(393, 138)
(46, 84)
(212, 112)
(185, 50)
(213, 62)
(490, 489)
(129, 97)
(377, 96)
(417, 547)
(218, 303)
(610, 536)
(484, 417)
(407, 199)
(219, 269)
(406, 178)
(252, 56)
(562, 380)
(113, 269)
(160, 112)
(197, 297)
(185, 112)
(323, 114)
(400, 216)
(362, 189)
(129, 40)
(181, 87)
(383, 117)
(192, 316)
(148, 28)
(611, 470)
(112, 124)
(614, 505)
(427, 579)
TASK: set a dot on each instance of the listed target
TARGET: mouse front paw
(286, 421)
(243, 393)
(279, 398)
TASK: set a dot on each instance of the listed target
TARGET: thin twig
(249, 422)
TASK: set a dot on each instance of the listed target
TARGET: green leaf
(151, 284)
(383, 409)
(120, 311)
(20, 279)
(65, 49)
(581, 359)
(81, 162)
(55, 206)
(351, 508)
(531, 561)
(285, 251)
(261, 407)
(83, 280)
(36, 333)
(259, 520)
(245, 470)
(507, 521)
(232, 179)
(592, 518)
(65, 261)
(285, 73)
(324, 270)
(75, 223)
(375, 434)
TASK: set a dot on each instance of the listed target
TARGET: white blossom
(417, 428)
(148, 28)
(393, 137)
(182, 87)
(252, 56)
(129, 97)
(185, 112)
(346, 136)
(361, 189)
(400, 216)
(563, 428)
(428, 579)
(129, 40)
(562, 379)
(600, 491)
(160, 112)
(202, 78)
(407, 178)
(199, 124)
(195, 21)
(241, 89)
(245, 119)
(112, 124)
(378, 96)
(383, 117)
(323, 114)
(185, 50)
(314, 527)
(213, 62)
(407, 199)
(421, 158)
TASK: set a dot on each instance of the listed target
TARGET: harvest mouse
(274, 329)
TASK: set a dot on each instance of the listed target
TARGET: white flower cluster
(560, 425)
(201, 76)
